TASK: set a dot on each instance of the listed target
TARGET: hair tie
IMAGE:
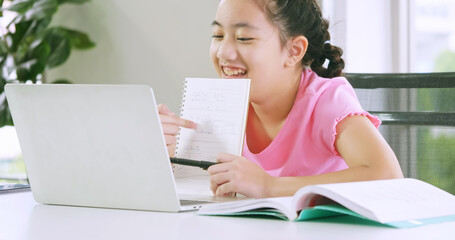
(327, 42)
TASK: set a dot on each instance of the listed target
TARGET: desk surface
(22, 218)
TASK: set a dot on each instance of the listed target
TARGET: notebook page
(219, 107)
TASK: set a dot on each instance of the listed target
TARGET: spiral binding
(182, 105)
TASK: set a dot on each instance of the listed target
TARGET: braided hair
(303, 17)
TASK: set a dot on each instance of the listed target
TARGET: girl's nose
(226, 51)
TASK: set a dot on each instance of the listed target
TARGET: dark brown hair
(303, 17)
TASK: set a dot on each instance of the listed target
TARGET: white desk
(22, 218)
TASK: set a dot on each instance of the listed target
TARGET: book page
(387, 200)
(219, 107)
(252, 207)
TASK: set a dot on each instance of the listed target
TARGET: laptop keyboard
(192, 202)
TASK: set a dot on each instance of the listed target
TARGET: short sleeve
(336, 102)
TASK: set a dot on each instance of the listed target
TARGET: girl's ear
(297, 47)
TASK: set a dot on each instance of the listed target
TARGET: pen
(182, 161)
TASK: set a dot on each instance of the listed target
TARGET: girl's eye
(244, 39)
(217, 36)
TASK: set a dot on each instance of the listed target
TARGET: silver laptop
(95, 146)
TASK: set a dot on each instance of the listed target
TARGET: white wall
(153, 42)
(363, 29)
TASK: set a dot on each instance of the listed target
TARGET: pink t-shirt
(306, 144)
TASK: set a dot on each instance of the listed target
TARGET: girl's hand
(171, 124)
(236, 174)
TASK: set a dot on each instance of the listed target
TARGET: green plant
(435, 161)
(29, 45)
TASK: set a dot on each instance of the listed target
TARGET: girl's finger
(170, 140)
(177, 121)
(163, 109)
(225, 189)
(218, 168)
(218, 179)
(170, 129)
(226, 157)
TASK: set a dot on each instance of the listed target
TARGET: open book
(399, 203)
(219, 107)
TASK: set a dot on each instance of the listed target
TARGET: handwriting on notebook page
(218, 106)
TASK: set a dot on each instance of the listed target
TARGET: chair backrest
(407, 81)
(422, 133)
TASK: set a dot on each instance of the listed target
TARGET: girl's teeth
(230, 72)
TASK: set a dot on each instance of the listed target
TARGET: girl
(305, 124)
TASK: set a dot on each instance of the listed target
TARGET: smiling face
(246, 45)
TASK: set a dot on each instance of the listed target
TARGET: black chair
(418, 115)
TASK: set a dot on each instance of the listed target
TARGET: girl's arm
(365, 151)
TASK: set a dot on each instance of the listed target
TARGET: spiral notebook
(219, 107)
